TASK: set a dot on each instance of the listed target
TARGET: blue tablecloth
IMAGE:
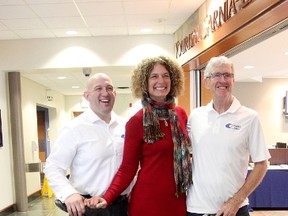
(272, 192)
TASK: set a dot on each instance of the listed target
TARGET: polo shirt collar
(95, 118)
(233, 108)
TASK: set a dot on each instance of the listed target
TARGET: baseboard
(12, 208)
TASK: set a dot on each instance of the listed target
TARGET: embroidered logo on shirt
(122, 136)
(232, 126)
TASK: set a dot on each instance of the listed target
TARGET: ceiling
(28, 19)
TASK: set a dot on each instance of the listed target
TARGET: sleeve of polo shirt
(257, 145)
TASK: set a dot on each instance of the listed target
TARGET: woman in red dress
(156, 147)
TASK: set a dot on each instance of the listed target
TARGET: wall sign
(212, 21)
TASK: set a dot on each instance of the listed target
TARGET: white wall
(266, 98)
(6, 166)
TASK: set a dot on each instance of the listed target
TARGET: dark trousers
(118, 208)
(243, 211)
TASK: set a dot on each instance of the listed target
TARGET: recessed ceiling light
(248, 67)
(286, 53)
(75, 87)
(71, 33)
(61, 77)
(145, 30)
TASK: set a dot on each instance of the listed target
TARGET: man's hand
(96, 202)
(229, 208)
(75, 205)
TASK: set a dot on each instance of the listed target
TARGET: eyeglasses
(218, 75)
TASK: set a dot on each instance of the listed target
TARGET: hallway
(44, 206)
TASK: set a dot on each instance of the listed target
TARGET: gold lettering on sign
(210, 24)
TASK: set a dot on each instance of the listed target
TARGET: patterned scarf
(152, 110)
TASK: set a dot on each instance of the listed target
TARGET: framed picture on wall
(1, 140)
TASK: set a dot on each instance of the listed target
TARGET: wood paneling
(184, 99)
(205, 93)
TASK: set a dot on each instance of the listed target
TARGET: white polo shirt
(221, 145)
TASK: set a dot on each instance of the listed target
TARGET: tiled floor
(44, 206)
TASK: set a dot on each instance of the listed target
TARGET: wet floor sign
(46, 190)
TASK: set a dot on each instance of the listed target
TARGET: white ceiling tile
(24, 24)
(3, 27)
(100, 8)
(12, 2)
(8, 35)
(145, 20)
(108, 21)
(47, 1)
(16, 12)
(144, 7)
(64, 22)
(34, 33)
(55, 10)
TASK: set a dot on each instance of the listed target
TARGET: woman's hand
(95, 202)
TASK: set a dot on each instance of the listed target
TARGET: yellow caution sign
(46, 190)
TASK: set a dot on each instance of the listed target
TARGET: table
(273, 191)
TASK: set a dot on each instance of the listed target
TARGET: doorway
(42, 130)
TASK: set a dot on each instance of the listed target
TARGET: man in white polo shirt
(91, 147)
(224, 134)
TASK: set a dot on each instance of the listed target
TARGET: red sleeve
(182, 117)
(131, 157)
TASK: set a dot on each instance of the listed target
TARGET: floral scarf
(152, 110)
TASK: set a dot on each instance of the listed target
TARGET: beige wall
(266, 98)
(34, 95)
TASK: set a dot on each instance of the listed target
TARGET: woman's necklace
(165, 122)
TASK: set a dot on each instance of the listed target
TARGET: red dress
(154, 191)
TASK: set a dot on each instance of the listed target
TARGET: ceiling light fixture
(61, 77)
(146, 30)
(71, 33)
(248, 67)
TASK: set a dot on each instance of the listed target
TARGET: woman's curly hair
(142, 72)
